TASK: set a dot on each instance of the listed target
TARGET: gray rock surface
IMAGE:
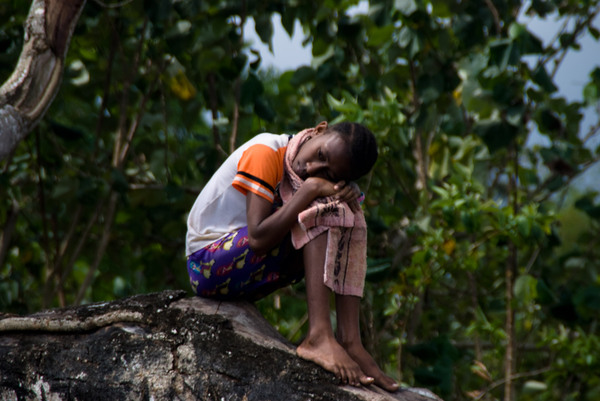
(163, 346)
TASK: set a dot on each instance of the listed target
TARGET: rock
(163, 346)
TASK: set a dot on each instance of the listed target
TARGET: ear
(321, 128)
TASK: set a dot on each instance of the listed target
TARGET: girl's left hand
(348, 192)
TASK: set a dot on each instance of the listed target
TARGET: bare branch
(32, 323)
(108, 220)
(494, 11)
(512, 378)
(29, 91)
(212, 90)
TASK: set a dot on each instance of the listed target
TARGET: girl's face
(325, 155)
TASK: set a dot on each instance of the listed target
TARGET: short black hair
(362, 146)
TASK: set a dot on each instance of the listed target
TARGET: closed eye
(327, 174)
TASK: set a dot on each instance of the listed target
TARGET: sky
(288, 53)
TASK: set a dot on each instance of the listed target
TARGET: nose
(315, 167)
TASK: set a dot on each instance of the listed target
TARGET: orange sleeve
(259, 171)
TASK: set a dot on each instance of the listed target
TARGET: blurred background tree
(483, 278)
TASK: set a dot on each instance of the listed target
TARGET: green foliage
(468, 228)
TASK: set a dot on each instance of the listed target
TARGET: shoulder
(264, 148)
(272, 141)
(260, 167)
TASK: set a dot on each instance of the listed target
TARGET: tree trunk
(163, 346)
(26, 95)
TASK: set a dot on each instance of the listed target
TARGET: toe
(391, 387)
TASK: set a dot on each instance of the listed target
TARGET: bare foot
(329, 354)
(367, 364)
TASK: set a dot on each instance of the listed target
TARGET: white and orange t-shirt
(256, 166)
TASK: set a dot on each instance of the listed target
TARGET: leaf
(181, 86)
(288, 21)
(188, 8)
(378, 271)
(541, 77)
(263, 109)
(587, 301)
(157, 10)
(430, 87)
(534, 386)
(65, 132)
(264, 29)
(587, 205)
(406, 7)
(252, 88)
(496, 134)
(119, 181)
(503, 53)
(591, 94)
(441, 9)
(302, 75)
(525, 40)
(542, 7)
(406, 36)
(448, 246)
(320, 47)
(475, 394)
(481, 370)
(525, 289)
(523, 226)
(377, 36)
(348, 106)
(545, 296)
(63, 188)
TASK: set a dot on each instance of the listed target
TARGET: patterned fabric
(346, 258)
(228, 269)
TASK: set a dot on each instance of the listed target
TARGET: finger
(354, 188)
(354, 205)
(343, 195)
(339, 185)
(350, 198)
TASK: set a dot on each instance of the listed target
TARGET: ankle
(350, 343)
(318, 336)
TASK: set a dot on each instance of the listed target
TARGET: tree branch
(60, 324)
(108, 220)
(512, 378)
(29, 91)
(212, 93)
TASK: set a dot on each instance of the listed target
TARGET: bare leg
(320, 345)
(348, 334)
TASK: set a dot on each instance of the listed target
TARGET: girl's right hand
(321, 187)
(344, 192)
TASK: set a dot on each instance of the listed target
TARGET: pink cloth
(346, 258)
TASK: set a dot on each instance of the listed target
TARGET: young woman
(244, 242)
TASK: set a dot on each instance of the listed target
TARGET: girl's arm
(266, 229)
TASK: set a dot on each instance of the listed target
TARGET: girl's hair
(362, 146)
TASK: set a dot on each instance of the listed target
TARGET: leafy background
(483, 278)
